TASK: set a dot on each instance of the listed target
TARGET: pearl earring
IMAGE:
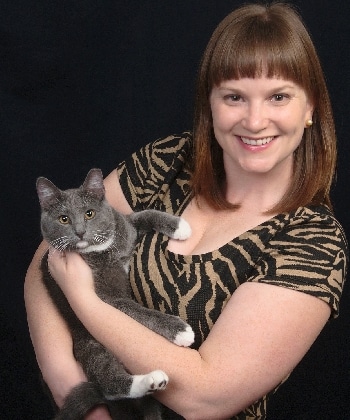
(309, 123)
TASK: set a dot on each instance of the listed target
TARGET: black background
(83, 84)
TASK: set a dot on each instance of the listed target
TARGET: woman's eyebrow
(270, 91)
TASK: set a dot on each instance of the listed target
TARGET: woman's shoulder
(312, 223)
(172, 145)
(174, 140)
(158, 167)
(307, 251)
(304, 223)
(320, 217)
(163, 152)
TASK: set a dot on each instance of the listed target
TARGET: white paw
(185, 338)
(147, 384)
(183, 231)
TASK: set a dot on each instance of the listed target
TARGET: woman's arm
(114, 193)
(263, 332)
(49, 333)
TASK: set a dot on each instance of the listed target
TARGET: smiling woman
(253, 43)
(259, 123)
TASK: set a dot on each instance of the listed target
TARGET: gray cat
(81, 220)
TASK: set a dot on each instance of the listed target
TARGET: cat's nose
(80, 232)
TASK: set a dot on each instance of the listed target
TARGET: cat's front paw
(183, 230)
(156, 380)
(185, 338)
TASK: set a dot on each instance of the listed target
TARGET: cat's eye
(64, 219)
(90, 214)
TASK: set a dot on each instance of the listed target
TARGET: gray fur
(81, 220)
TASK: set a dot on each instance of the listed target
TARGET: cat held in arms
(81, 220)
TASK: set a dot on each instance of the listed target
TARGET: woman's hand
(71, 272)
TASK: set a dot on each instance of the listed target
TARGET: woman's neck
(256, 189)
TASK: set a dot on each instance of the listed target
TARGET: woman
(264, 268)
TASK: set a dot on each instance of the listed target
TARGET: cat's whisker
(101, 236)
(54, 250)
(119, 234)
(114, 247)
(108, 234)
(60, 243)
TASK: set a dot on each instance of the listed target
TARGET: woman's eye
(279, 97)
(90, 214)
(64, 220)
(233, 98)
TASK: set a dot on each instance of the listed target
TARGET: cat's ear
(48, 193)
(94, 183)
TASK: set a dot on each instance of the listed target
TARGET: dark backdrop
(83, 84)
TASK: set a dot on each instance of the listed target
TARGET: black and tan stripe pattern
(304, 250)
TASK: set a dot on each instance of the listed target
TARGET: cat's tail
(80, 400)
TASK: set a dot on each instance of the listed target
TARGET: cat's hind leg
(149, 383)
(124, 385)
(89, 394)
(80, 400)
(138, 385)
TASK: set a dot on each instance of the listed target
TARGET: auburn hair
(270, 40)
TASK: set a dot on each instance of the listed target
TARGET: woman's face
(259, 123)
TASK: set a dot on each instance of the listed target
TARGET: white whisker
(60, 243)
(119, 234)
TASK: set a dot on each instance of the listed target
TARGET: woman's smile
(257, 142)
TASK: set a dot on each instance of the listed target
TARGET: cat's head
(77, 219)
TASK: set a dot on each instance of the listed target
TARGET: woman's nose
(255, 118)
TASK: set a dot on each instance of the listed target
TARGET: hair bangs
(255, 50)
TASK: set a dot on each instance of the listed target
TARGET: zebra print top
(303, 250)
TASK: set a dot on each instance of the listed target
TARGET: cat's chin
(82, 245)
(86, 247)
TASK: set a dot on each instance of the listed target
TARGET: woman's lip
(256, 142)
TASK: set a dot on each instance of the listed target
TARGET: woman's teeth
(258, 142)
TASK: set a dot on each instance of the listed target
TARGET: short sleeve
(146, 175)
(309, 255)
